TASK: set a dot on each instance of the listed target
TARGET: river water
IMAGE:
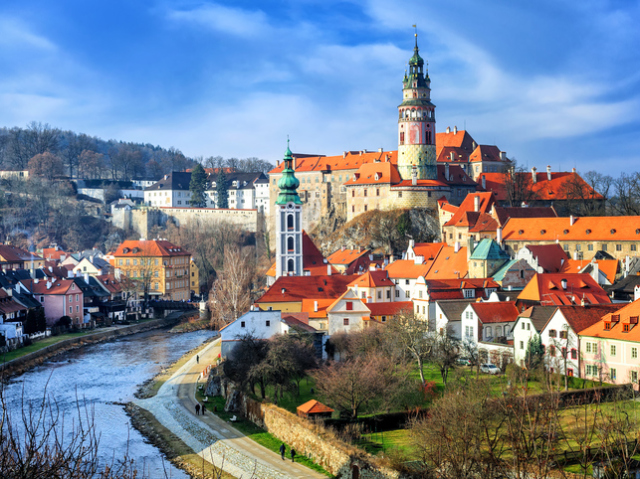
(106, 376)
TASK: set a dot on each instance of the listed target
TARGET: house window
(420, 294)
(523, 326)
(590, 247)
(564, 352)
(625, 328)
(365, 192)
(634, 353)
(552, 333)
(345, 322)
(634, 376)
(613, 350)
(77, 296)
(268, 323)
(528, 327)
(366, 207)
(604, 247)
(424, 310)
(379, 294)
(618, 247)
(468, 293)
(349, 305)
(77, 308)
(42, 299)
(552, 350)
(397, 293)
(521, 344)
(388, 294)
(588, 347)
(399, 194)
(570, 373)
(384, 319)
(574, 353)
(563, 334)
(70, 309)
(364, 295)
(633, 248)
(407, 294)
(613, 373)
(353, 193)
(377, 191)
(242, 324)
(70, 297)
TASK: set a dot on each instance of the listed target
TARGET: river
(107, 375)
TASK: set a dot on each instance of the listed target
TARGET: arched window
(290, 244)
(498, 331)
(506, 331)
(487, 332)
(290, 267)
(290, 222)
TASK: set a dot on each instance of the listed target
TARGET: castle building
(288, 212)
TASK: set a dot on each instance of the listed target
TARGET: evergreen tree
(198, 187)
(535, 352)
(221, 187)
(41, 320)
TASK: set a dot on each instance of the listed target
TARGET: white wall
(523, 331)
(558, 323)
(262, 324)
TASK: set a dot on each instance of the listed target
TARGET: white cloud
(15, 34)
(234, 21)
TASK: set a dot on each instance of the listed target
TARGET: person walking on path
(293, 455)
(197, 359)
(197, 409)
(203, 409)
(282, 450)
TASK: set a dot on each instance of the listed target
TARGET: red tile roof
(314, 407)
(346, 256)
(496, 312)
(550, 257)
(428, 250)
(486, 153)
(557, 188)
(587, 228)
(449, 264)
(548, 290)
(608, 266)
(146, 248)
(375, 173)
(583, 317)
(296, 288)
(57, 286)
(372, 279)
(54, 253)
(626, 315)
(352, 161)
(308, 307)
(460, 218)
(456, 139)
(388, 309)
(12, 254)
(404, 268)
(502, 213)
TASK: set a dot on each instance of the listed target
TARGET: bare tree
(231, 292)
(411, 333)
(46, 165)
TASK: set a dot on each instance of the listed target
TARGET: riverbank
(190, 326)
(38, 353)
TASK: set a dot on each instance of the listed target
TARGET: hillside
(381, 231)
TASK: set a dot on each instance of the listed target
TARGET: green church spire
(288, 183)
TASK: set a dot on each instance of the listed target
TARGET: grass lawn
(42, 343)
(377, 442)
(256, 433)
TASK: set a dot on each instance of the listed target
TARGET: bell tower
(288, 222)
(417, 122)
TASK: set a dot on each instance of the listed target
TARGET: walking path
(211, 437)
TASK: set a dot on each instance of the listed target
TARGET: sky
(551, 82)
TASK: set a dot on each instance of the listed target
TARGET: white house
(530, 322)
(561, 339)
(260, 324)
(346, 313)
(171, 190)
(488, 321)
(448, 316)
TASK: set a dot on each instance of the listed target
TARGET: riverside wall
(20, 365)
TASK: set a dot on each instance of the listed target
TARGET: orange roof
(346, 256)
(372, 279)
(627, 315)
(351, 161)
(459, 154)
(313, 407)
(588, 228)
(460, 218)
(58, 286)
(53, 253)
(609, 267)
(482, 223)
(109, 281)
(486, 153)
(428, 250)
(449, 264)
(557, 188)
(496, 312)
(389, 308)
(404, 268)
(297, 288)
(547, 288)
(582, 317)
(375, 173)
(149, 248)
(456, 139)
(308, 307)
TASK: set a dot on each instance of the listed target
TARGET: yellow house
(194, 277)
(159, 267)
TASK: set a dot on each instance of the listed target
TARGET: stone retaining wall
(307, 438)
(26, 362)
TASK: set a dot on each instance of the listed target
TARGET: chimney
(457, 247)
(283, 290)
(166, 177)
(455, 130)
(328, 270)
(573, 170)
(499, 236)
(448, 130)
(380, 150)
(582, 301)
(636, 292)
(86, 278)
(414, 175)
(277, 162)
(446, 171)
(484, 182)
(452, 156)
(36, 281)
(391, 259)
(534, 176)
(476, 203)
(549, 172)
(48, 284)
(344, 154)
(572, 220)
(627, 260)
(293, 163)
(575, 255)
(563, 282)
(343, 247)
(474, 145)
(315, 306)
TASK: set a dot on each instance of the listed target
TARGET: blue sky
(550, 82)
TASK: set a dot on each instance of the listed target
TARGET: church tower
(288, 222)
(417, 123)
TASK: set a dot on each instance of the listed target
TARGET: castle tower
(288, 222)
(417, 123)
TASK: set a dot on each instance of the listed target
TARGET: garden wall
(309, 439)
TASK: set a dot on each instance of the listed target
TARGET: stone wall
(247, 219)
(307, 438)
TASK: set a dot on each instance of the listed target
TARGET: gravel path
(209, 436)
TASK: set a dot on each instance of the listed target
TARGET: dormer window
(626, 328)
(607, 326)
